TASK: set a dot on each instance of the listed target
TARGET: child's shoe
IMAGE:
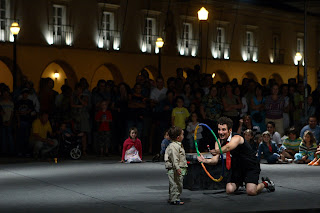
(312, 162)
(317, 163)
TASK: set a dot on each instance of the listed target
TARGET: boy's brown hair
(174, 132)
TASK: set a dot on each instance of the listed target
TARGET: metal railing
(189, 47)
(221, 50)
(61, 34)
(251, 52)
(149, 43)
(109, 39)
(278, 55)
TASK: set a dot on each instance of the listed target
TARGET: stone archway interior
(149, 72)
(221, 76)
(277, 78)
(50, 71)
(6, 75)
(250, 75)
(101, 73)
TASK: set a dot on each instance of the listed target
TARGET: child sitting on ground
(176, 164)
(132, 148)
(307, 148)
(164, 144)
(316, 159)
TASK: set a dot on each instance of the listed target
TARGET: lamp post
(14, 30)
(298, 57)
(159, 44)
(202, 16)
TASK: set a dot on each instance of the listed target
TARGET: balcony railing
(109, 39)
(189, 47)
(277, 56)
(221, 50)
(5, 34)
(149, 43)
(250, 53)
(61, 34)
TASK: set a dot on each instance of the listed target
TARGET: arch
(250, 75)
(221, 76)
(278, 79)
(6, 75)
(7, 64)
(152, 71)
(66, 74)
(106, 72)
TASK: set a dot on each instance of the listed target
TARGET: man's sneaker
(269, 184)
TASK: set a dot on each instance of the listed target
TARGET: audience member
(307, 148)
(132, 148)
(313, 127)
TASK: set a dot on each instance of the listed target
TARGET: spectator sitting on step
(164, 144)
(40, 141)
(316, 159)
(307, 148)
(275, 136)
(249, 137)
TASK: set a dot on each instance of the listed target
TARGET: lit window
(250, 52)
(220, 47)
(149, 35)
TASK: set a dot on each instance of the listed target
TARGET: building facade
(115, 40)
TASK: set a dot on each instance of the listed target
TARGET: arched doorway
(250, 75)
(61, 73)
(278, 79)
(106, 72)
(6, 75)
(221, 76)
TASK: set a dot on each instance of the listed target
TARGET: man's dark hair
(227, 121)
(293, 130)
(272, 123)
(174, 132)
(312, 116)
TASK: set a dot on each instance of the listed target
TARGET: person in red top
(132, 148)
(104, 117)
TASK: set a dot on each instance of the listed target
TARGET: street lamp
(159, 44)
(298, 57)
(14, 30)
(202, 16)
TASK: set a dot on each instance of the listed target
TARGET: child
(176, 164)
(104, 117)
(179, 114)
(132, 148)
(190, 129)
(292, 143)
(164, 144)
(268, 148)
(307, 148)
(316, 160)
(248, 136)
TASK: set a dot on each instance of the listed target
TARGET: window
(300, 45)
(5, 23)
(186, 39)
(251, 51)
(107, 32)
(149, 36)
(60, 33)
(220, 48)
(275, 49)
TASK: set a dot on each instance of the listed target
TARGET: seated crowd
(114, 118)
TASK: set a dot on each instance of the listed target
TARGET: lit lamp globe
(298, 56)
(203, 14)
(159, 42)
(14, 28)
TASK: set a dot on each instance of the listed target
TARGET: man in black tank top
(245, 166)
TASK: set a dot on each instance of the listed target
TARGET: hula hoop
(221, 153)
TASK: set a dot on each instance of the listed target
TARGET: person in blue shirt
(268, 148)
(313, 127)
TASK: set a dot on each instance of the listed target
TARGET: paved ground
(108, 186)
